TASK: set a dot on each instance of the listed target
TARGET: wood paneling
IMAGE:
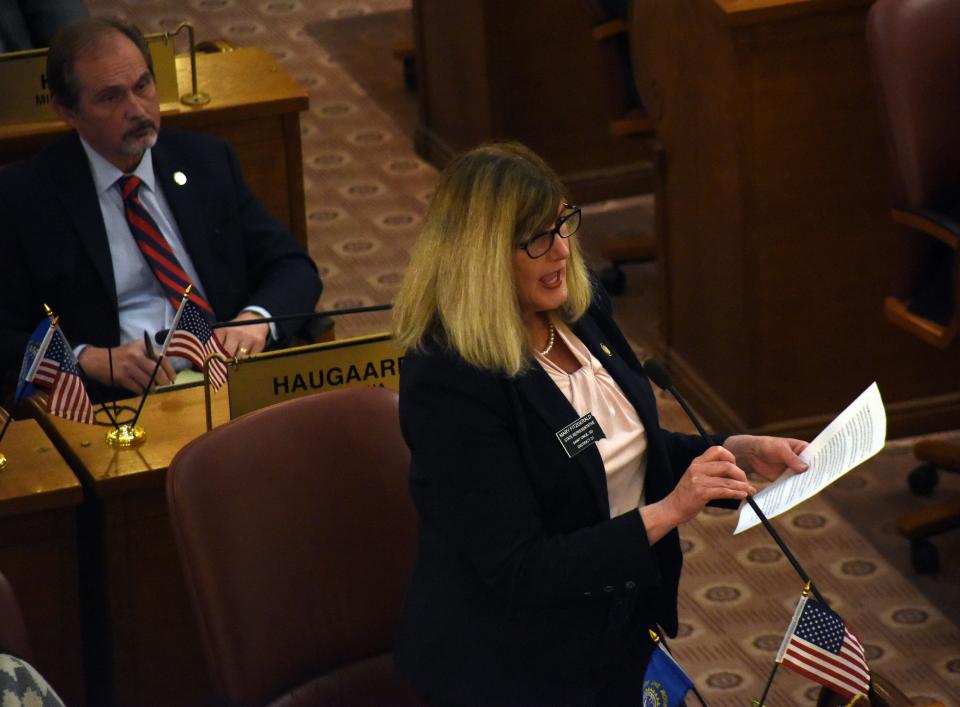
(39, 497)
(776, 247)
(148, 649)
(530, 71)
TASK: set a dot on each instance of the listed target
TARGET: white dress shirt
(624, 449)
(142, 302)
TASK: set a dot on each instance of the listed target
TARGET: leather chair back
(13, 631)
(915, 47)
(296, 533)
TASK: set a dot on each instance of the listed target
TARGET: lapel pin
(180, 178)
(606, 350)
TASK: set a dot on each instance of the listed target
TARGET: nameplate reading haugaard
(269, 378)
(25, 95)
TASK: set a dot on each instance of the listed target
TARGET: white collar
(105, 174)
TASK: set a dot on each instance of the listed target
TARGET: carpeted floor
(366, 192)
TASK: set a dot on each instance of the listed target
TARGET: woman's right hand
(712, 475)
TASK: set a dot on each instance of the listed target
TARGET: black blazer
(54, 249)
(524, 590)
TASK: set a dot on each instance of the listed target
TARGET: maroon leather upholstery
(915, 48)
(13, 632)
(296, 533)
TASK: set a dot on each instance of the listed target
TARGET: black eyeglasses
(566, 226)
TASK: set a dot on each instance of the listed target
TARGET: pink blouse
(624, 449)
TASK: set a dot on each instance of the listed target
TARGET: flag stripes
(820, 646)
(47, 372)
(193, 339)
(68, 398)
(818, 665)
(59, 374)
(189, 346)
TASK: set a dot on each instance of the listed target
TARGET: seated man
(108, 224)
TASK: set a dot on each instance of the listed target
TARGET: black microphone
(661, 376)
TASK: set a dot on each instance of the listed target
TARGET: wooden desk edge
(297, 100)
(27, 489)
(201, 115)
(57, 499)
(737, 13)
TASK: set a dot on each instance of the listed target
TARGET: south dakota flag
(665, 684)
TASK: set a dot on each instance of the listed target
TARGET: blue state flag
(665, 684)
(36, 348)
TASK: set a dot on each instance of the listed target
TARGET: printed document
(854, 436)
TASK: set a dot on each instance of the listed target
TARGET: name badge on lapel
(580, 434)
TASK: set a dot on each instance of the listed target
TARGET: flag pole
(156, 368)
(6, 424)
(790, 629)
(146, 392)
(54, 320)
(766, 689)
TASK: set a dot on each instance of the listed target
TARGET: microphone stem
(753, 504)
(304, 315)
(686, 408)
(786, 551)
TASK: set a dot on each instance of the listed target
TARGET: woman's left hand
(768, 457)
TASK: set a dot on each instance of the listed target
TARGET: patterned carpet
(366, 191)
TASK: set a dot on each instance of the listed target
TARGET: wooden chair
(915, 50)
(630, 119)
(296, 535)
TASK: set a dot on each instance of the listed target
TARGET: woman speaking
(548, 496)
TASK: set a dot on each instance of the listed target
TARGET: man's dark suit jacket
(524, 591)
(54, 249)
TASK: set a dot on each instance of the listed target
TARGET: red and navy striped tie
(155, 248)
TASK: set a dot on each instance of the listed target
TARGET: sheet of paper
(855, 435)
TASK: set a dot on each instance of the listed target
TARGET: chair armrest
(610, 28)
(634, 123)
(924, 329)
(933, 223)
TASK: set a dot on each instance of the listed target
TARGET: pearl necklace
(550, 340)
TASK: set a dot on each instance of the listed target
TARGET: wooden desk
(528, 71)
(150, 647)
(775, 247)
(255, 106)
(39, 497)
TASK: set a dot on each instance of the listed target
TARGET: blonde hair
(459, 290)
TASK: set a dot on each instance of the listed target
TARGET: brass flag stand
(126, 435)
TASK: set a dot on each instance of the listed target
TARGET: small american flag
(58, 374)
(193, 339)
(822, 647)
